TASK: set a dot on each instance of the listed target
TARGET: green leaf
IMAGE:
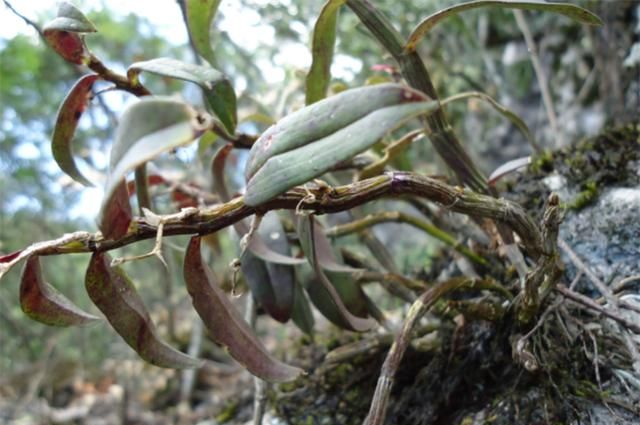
(70, 18)
(302, 315)
(64, 33)
(275, 286)
(43, 303)
(572, 11)
(200, 14)
(323, 118)
(282, 172)
(505, 112)
(218, 91)
(324, 40)
(69, 114)
(225, 324)
(152, 126)
(325, 296)
(114, 294)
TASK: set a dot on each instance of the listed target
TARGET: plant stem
(211, 219)
(399, 217)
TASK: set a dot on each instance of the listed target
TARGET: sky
(243, 25)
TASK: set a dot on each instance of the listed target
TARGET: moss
(542, 163)
(228, 412)
(585, 197)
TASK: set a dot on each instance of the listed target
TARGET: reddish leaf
(69, 45)
(114, 294)
(9, 257)
(153, 180)
(225, 324)
(116, 216)
(43, 303)
(64, 33)
(69, 115)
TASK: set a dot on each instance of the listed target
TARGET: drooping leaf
(116, 214)
(324, 40)
(114, 294)
(44, 303)
(69, 114)
(572, 11)
(271, 285)
(281, 277)
(148, 128)
(302, 315)
(200, 14)
(321, 290)
(282, 172)
(504, 111)
(508, 168)
(65, 33)
(217, 88)
(329, 261)
(225, 324)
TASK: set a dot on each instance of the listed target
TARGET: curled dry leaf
(114, 294)
(225, 324)
(69, 115)
(45, 304)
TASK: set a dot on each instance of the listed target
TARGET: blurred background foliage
(592, 76)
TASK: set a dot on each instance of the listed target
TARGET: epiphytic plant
(326, 135)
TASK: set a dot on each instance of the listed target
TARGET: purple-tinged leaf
(225, 324)
(200, 14)
(9, 257)
(508, 168)
(572, 11)
(44, 303)
(114, 294)
(116, 215)
(321, 290)
(217, 88)
(324, 40)
(69, 115)
(64, 33)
